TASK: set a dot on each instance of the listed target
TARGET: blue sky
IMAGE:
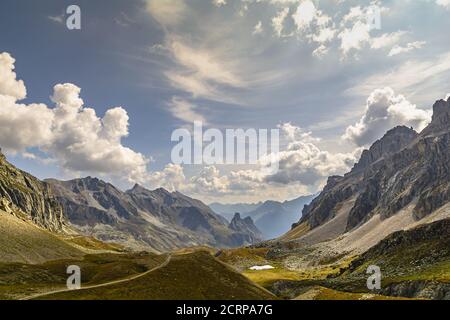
(310, 68)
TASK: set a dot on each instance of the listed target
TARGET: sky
(104, 100)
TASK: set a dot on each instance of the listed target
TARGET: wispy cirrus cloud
(185, 111)
(168, 13)
(425, 79)
(407, 48)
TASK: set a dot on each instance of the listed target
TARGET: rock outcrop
(418, 289)
(246, 229)
(393, 141)
(28, 198)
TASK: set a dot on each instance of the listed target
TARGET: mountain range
(403, 180)
(142, 219)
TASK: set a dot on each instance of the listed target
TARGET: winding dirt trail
(36, 296)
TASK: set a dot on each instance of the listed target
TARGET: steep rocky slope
(141, 218)
(33, 228)
(403, 170)
(27, 197)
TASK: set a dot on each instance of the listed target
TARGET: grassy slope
(196, 276)
(21, 241)
(243, 258)
(90, 243)
(22, 280)
(296, 232)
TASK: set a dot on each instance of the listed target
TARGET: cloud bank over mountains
(300, 65)
(77, 140)
(73, 137)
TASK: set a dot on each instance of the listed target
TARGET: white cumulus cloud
(8, 83)
(385, 110)
(69, 133)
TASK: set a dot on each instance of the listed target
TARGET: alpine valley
(392, 210)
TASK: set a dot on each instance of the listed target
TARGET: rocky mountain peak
(90, 182)
(441, 109)
(246, 228)
(393, 141)
(398, 132)
(239, 224)
(163, 191)
(441, 115)
(440, 121)
(137, 188)
(237, 217)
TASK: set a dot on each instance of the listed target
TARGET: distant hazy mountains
(272, 218)
(228, 210)
(141, 218)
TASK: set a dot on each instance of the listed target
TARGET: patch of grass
(244, 258)
(210, 250)
(296, 233)
(266, 278)
(94, 244)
